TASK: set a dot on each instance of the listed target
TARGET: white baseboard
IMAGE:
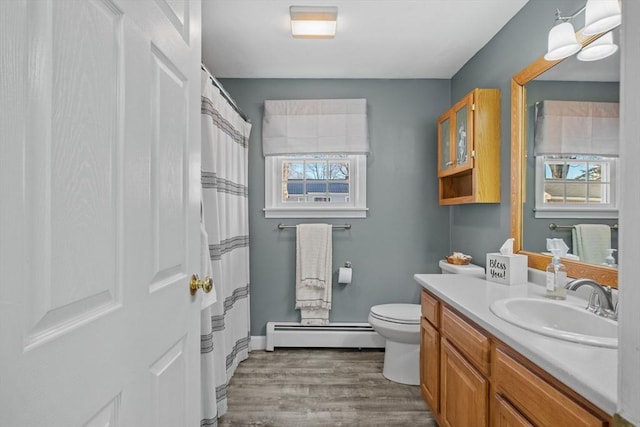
(258, 342)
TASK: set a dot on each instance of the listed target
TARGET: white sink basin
(559, 320)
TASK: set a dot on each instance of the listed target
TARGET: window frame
(276, 208)
(579, 211)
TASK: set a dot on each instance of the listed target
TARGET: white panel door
(99, 212)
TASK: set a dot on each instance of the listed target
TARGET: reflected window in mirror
(574, 186)
(576, 145)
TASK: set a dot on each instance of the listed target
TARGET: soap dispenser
(609, 259)
(556, 277)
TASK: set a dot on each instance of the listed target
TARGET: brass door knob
(206, 284)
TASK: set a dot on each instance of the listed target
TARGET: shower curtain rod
(283, 226)
(225, 94)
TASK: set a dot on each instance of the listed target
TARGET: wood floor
(320, 387)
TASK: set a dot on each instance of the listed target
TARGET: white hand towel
(313, 273)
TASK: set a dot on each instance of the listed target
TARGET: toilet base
(402, 363)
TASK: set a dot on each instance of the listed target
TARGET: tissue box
(507, 269)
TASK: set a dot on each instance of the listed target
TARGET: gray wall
(478, 229)
(406, 231)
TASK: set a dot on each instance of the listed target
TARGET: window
(315, 186)
(576, 186)
(315, 154)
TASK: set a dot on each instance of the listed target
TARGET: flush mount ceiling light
(313, 21)
(601, 16)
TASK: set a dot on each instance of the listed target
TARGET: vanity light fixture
(601, 16)
(598, 49)
(317, 22)
(562, 41)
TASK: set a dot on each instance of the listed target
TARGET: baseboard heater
(346, 335)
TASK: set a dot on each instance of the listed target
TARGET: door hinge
(473, 107)
(473, 153)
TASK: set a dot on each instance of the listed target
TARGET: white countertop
(591, 371)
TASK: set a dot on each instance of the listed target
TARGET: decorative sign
(507, 269)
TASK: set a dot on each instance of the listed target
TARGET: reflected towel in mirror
(591, 241)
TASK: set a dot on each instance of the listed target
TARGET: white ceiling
(376, 38)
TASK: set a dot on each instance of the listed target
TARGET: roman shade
(581, 128)
(322, 126)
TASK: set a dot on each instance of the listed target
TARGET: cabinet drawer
(536, 399)
(471, 342)
(430, 307)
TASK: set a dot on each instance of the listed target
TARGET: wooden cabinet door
(506, 415)
(445, 160)
(464, 391)
(462, 134)
(455, 138)
(430, 364)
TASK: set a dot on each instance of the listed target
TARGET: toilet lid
(397, 313)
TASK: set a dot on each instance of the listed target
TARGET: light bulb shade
(562, 42)
(601, 16)
(599, 49)
(313, 22)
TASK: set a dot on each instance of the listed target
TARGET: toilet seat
(403, 314)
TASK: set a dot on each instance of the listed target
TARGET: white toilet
(399, 325)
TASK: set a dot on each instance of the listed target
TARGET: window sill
(329, 212)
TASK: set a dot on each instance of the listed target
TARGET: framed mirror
(521, 116)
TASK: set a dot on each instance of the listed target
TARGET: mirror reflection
(571, 193)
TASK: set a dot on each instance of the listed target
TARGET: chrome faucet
(605, 306)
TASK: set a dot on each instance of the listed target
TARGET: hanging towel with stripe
(313, 273)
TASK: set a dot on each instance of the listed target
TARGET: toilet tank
(469, 269)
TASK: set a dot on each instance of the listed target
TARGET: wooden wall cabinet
(469, 378)
(469, 149)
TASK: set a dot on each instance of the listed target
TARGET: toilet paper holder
(345, 274)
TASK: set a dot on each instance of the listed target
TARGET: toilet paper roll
(344, 275)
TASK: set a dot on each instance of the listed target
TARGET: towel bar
(554, 226)
(345, 226)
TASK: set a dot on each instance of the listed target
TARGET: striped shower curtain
(225, 323)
